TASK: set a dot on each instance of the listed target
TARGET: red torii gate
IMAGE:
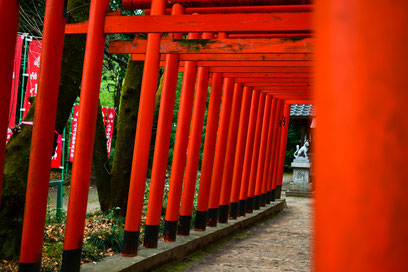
(341, 238)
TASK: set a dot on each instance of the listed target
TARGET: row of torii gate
(257, 56)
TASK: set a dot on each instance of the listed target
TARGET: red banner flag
(33, 68)
(56, 158)
(110, 120)
(74, 128)
(14, 86)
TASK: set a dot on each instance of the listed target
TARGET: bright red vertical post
(161, 151)
(220, 147)
(230, 154)
(277, 140)
(255, 154)
(360, 149)
(43, 136)
(262, 151)
(9, 22)
(209, 151)
(88, 109)
(180, 147)
(240, 151)
(265, 197)
(194, 145)
(143, 137)
(282, 150)
(243, 194)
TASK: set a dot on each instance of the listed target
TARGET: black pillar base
(273, 195)
(233, 213)
(223, 213)
(200, 220)
(184, 225)
(263, 200)
(29, 267)
(130, 243)
(151, 236)
(242, 207)
(71, 260)
(250, 205)
(170, 231)
(278, 192)
(257, 202)
(268, 197)
(212, 217)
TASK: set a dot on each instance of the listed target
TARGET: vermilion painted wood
(282, 84)
(194, 143)
(142, 137)
(261, 69)
(284, 21)
(243, 193)
(268, 75)
(232, 143)
(354, 224)
(283, 142)
(242, 64)
(276, 143)
(8, 17)
(244, 9)
(163, 134)
(303, 35)
(236, 57)
(44, 124)
(141, 4)
(221, 144)
(219, 46)
(88, 109)
(209, 144)
(181, 142)
(304, 101)
(241, 144)
(255, 150)
(274, 80)
(263, 146)
(269, 146)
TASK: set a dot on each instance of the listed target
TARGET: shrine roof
(302, 110)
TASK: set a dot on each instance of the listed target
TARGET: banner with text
(110, 121)
(33, 68)
(14, 86)
(56, 158)
(74, 128)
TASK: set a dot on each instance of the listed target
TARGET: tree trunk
(18, 148)
(126, 130)
(100, 164)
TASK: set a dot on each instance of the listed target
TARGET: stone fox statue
(302, 151)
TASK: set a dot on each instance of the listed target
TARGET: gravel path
(280, 244)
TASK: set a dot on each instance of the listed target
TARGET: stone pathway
(280, 244)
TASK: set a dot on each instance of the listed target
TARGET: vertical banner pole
(88, 109)
(43, 136)
(9, 22)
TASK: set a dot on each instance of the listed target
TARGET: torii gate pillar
(361, 136)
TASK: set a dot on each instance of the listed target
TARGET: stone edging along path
(166, 252)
